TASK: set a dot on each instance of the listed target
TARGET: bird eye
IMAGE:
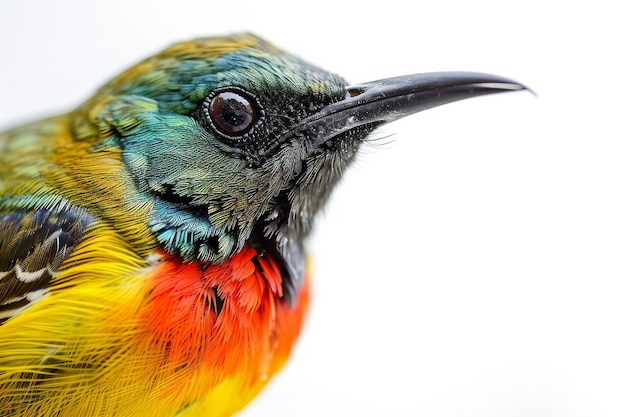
(232, 112)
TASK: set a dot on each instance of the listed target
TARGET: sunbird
(152, 241)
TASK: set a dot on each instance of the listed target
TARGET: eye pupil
(231, 113)
(235, 118)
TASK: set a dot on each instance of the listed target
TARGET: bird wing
(33, 246)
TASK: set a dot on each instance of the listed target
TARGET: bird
(152, 240)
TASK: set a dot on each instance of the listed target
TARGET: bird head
(234, 142)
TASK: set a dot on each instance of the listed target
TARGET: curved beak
(390, 99)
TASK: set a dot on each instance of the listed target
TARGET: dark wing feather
(33, 244)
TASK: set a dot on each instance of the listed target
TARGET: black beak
(383, 101)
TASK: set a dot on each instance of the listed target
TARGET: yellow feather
(93, 316)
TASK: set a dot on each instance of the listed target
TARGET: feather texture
(96, 319)
(146, 336)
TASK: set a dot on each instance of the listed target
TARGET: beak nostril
(355, 91)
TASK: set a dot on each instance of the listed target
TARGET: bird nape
(151, 240)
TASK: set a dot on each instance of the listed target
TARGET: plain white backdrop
(473, 261)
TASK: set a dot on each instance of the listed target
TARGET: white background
(470, 264)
